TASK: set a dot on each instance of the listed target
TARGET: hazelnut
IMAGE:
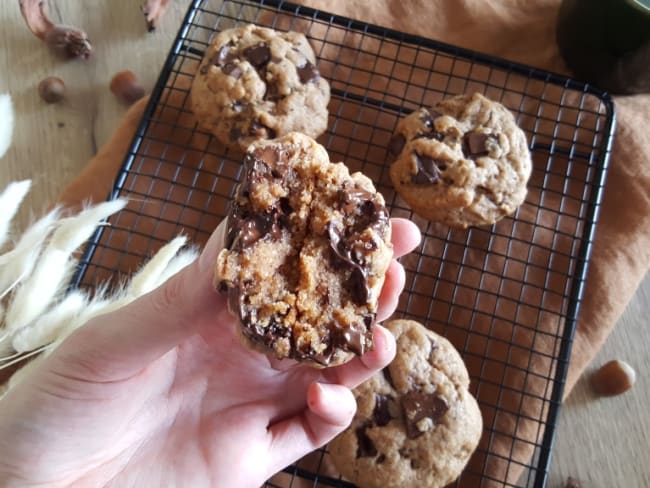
(51, 89)
(126, 87)
(613, 378)
(572, 483)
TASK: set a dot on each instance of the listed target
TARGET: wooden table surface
(602, 442)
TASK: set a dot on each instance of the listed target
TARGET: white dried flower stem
(10, 200)
(6, 123)
(50, 274)
(148, 277)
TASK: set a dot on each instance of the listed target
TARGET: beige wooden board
(603, 442)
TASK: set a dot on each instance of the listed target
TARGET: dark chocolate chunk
(396, 144)
(272, 92)
(381, 412)
(238, 106)
(232, 69)
(235, 133)
(428, 170)
(223, 56)
(432, 351)
(308, 73)
(381, 458)
(258, 129)
(389, 378)
(365, 446)
(427, 119)
(258, 55)
(358, 285)
(438, 136)
(474, 144)
(417, 406)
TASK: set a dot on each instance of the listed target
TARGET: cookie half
(258, 83)
(308, 246)
(464, 162)
(416, 422)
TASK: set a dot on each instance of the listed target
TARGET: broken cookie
(307, 248)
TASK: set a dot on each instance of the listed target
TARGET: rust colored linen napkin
(522, 31)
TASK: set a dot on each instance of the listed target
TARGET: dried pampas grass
(37, 311)
(6, 123)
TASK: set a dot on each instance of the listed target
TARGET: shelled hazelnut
(51, 89)
(126, 87)
(613, 378)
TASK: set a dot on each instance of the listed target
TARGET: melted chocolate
(428, 170)
(308, 73)
(396, 144)
(365, 446)
(417, 406)
(258, 129)
(353, 338)
(381, 413)
(258, 55)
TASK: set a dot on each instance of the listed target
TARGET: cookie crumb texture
(258, 83)
(463, 162)
(416, 422)
(306, 251)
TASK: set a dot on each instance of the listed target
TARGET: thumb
(329, 411)
(122, 343)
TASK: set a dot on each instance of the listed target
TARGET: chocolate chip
(381, 413)
(438, 136)
(358, 285)
(238, 106)
(396, 144)
(417, 406)
(474, 144)
(432, 351)
(258, 129)
(389, 378)
(232, 69)
(427, 120)
(365, 446)
(272, 92)
(308, 73)
(258, 55)
(223, 56)
(428, 170)
(381, 459)
(235, 133)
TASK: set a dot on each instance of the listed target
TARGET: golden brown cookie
(416, 422)
(307, 248)
(258, 83)
(463, 162)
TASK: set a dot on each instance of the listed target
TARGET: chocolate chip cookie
(307, 248)
(463, 162)
(416, 422)
(258, 83)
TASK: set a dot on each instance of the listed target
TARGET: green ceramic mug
(607, 42)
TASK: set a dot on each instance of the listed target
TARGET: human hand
(161, 392)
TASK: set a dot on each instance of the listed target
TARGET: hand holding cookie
(163, 389)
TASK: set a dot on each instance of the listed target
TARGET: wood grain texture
(602, 442)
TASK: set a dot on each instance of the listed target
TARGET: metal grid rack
(507, 296)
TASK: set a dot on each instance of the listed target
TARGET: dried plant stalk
(6, 123)
(67, 40)
(10, 200)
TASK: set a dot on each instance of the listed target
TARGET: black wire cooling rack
(507, 296)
